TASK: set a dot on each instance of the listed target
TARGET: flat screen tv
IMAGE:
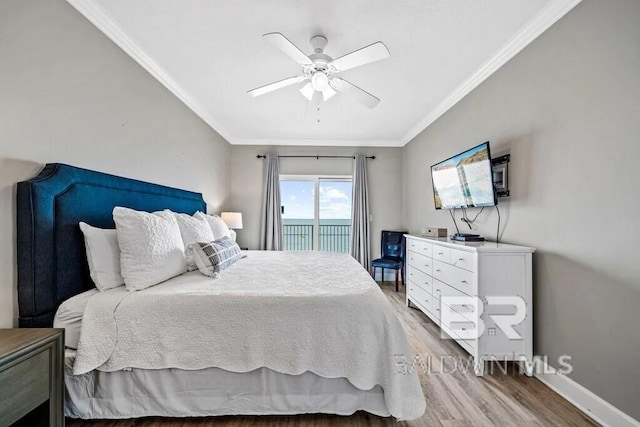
(464, 180)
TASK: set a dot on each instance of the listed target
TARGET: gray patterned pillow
(213, 257)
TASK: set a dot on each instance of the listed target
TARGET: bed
(270, 336)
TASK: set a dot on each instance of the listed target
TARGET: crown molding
(536, 26)
(320, 142)
(555, 10)
(98, 17)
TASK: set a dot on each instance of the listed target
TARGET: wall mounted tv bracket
(500, 169)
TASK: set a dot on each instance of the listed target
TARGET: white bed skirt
(211, 392)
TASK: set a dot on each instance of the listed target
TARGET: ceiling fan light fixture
(307, 91)
(319, 81)
(319, 70)
(328, 93)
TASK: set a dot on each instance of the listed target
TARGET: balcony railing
(297, 237)
(331, 238)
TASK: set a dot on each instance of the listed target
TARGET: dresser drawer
(442, 253)
(468, 344)
(467, 306)
(421, 262)
(435, 306)
(463, 280)
(437, 289)
(420, 247)
(464, 259)
(421, 279)
(440, 270)
(420, 296)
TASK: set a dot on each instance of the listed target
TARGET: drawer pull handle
(438, 270)
(437, 290)
(465, 282)
(440, 253)
(459, 259)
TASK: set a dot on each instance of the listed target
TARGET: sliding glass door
(334, 214)
(316, 212)
(298, 213)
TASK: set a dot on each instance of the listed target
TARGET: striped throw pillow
(213, 257)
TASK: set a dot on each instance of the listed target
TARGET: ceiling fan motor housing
(318, 43)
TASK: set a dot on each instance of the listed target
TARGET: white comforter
(291, 312)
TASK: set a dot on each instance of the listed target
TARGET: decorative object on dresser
(31, 374)
(433, 232)
(470, 290)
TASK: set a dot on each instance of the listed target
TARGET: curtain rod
(262, 156)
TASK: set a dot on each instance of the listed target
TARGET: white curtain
(271, 221)
(360, 239)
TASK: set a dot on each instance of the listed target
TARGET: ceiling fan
(320, 70)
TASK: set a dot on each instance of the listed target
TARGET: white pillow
(151, 248)
(103, 256)
(218, 226)
(69, 317)
(193, 230)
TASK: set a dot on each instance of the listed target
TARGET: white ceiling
(209, 53)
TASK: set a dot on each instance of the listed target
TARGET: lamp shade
(232, 219)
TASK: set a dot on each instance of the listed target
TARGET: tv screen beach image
(464, 180)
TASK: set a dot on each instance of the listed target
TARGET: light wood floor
(453, 399)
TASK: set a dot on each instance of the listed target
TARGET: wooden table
(32, 376)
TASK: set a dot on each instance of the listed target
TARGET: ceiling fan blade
(360, 95)
(291, 50)
(275, 86)
(366, 55)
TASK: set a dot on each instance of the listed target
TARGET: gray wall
(68, 94)
(384, 177)
(567, 109)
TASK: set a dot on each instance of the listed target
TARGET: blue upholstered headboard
(52, 263)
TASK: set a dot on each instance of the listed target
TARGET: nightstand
(32, 376)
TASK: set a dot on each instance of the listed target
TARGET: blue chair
(392, 257)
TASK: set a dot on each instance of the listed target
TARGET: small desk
(31, 374)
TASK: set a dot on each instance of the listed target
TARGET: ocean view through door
(316, 213)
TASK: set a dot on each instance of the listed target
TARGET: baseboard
(588, 402)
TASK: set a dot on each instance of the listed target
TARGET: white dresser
(480, 294)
